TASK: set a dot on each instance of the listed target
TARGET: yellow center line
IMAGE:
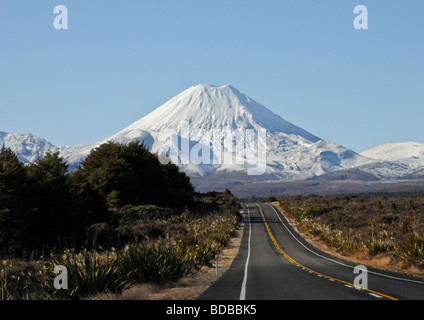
(285, 255)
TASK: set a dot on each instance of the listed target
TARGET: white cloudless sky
(304, 60)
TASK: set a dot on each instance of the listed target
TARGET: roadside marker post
(394, 261)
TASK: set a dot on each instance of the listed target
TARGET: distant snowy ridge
(396, 160)
(27, 146)
(406, 151)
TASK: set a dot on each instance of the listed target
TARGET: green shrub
(153, 263)
(21, 282)
(313, 212)
(200, 254)
(380, 246)
(89, 275)
(412, 248)
(346, 244)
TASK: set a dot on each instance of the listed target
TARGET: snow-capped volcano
(193, 118)
(218, 134)
(210, 107)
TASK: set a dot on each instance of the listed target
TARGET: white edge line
(345, 265)
(243, 286)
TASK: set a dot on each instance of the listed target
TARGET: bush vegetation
(379, 224)
(43, 208)
(121, 218)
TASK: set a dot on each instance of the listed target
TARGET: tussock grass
(152, 263)
(89, 274)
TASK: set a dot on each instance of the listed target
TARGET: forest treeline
(44, 208)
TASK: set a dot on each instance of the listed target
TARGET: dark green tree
(13, 207)
(52, 219)
(131, 174)
(178, 189)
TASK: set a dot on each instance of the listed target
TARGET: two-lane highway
(275, 263)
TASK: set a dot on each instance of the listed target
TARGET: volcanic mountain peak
(211, 107)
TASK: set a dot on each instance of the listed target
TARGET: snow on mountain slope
(396, 160)
(195, 115)
(27, 146)
(210, 107)
(407, 151)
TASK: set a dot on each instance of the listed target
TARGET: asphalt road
(275, 263)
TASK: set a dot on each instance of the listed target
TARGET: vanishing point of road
(275, 263)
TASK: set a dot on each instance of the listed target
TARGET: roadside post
(394, 261)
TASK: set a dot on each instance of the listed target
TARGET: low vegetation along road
(274, 262)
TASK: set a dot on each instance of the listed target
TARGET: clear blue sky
(302, 59)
